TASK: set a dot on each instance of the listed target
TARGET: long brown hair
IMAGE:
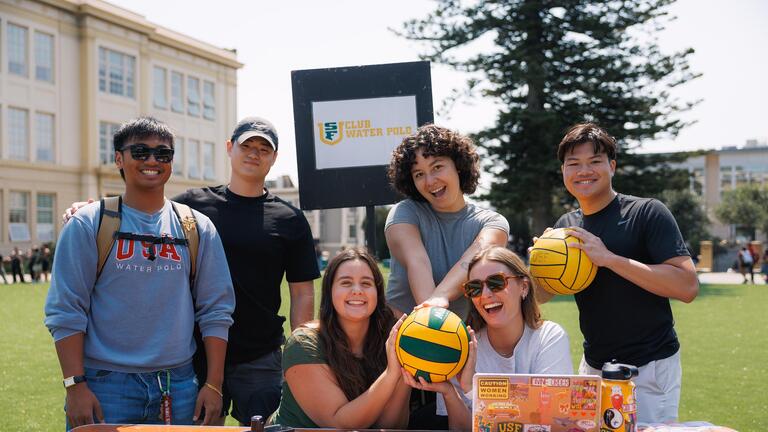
(354, 374)
(529, 305)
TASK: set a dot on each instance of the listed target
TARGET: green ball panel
(422, 374)
(429, 351)
(437, 317)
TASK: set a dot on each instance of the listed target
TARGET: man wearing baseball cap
(264, 239)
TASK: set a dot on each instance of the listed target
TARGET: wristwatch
(70, 381)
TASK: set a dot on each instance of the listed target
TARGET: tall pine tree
(553, 64)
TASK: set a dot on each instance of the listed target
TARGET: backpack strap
(189, 224)
(110, 213)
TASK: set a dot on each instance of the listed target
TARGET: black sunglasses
(142, 152)
(495, 282)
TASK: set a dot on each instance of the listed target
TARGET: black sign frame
(351, 186)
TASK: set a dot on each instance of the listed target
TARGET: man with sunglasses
(643, 262)
(265, 238)
(124, 336)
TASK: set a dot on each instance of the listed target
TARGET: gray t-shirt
(446, 236)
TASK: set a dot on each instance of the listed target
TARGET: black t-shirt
(619, 319)
(264, 238)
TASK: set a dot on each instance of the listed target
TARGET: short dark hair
(140, 128)
(582, 133)
(434, 141)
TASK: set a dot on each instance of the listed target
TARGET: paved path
(728, 278)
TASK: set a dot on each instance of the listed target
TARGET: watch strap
(70, 381)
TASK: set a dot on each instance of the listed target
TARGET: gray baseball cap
(255, 126)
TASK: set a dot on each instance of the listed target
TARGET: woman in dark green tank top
(342, 371)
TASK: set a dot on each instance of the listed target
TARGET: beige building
(70, 72)
(721, 170)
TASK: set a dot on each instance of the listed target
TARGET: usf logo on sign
(330, 132)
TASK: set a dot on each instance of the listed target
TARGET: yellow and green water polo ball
(433, 343)
(558, 268)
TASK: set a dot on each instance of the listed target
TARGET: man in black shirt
(643, 262)
(264, 238)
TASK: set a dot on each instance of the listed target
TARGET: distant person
(45, 263)
(16, 269)
(35, 266)
(642, 261)
(2, 269)
(746, 264)
(342, 371)
(30, 258)
(764, 267)
(124, 336)
(434, 232)
(756, 259)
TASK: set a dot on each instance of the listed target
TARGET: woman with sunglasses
(342, 371)
(509, 334)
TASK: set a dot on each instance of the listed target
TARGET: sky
(273, 38)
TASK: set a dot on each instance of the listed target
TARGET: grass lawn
(725, 356)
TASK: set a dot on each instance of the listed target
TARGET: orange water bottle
(619, 401)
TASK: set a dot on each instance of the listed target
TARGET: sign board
(348, 120)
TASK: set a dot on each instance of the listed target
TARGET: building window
(43, 57)
(18, 228)
(177, 92)
(45, 217)
(106, 149)
(19, 202)
(178, 156)
(742, 176)
(209, 100)
(117, 73)
(44, 136)
(193, 153)
(18, 133)
(159, 89)
(193, 96)
(17, 50)
(725, 178)
(209, 172)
